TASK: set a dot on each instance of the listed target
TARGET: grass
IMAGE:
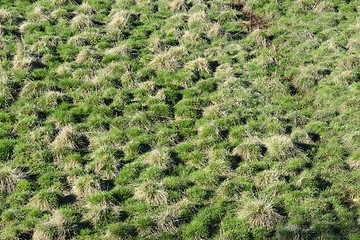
(181, 119)
(259, 212)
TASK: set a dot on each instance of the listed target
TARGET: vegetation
(181, 119)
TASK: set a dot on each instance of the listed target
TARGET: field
(181, 119)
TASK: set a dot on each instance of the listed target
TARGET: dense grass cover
(182, 119)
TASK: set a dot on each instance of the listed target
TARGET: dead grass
(8, 178)
(21, 62)
(178, 5)
(64, 141)
(86, 8)
(168, 60)
(281, 147)
(119, 20)
(4, 15)
(200, 65)
(152, 193)
(159, 157)
(251, 149)
(259, 212)
(85, 185)
(81, 21)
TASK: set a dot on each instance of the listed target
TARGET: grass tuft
(4, 15)
(8, 178)
(64, 141)
(119, 20)
(152, 193)
(85, 185)
(281, 148)
(251, 149)
(81, 21)
(259, 212)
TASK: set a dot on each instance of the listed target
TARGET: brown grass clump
(85, 185)
(168, 60)
(164, 61)
(37, 15)
(301, 136)
(259, 212)
(44, 232)
(60, 2)
(118, 50)
(84, 55)
(281, 147)
(86, 8)
(267, 178)
(159, 157)
(99, 211)
(45, 200)
(200, 65)
(215, 31)
(57, 227)
(21, 61)
(169, 220)
(29, 90)
(189, 37)
(104, 162)
(218, 162)
(81, 21)
(152, 193)
(5, 90)
(4, 15)
(119, 20)
(64, 69)
(251, 149)
(196, 19)
(178, 5)
(64, 141)
(8, 178)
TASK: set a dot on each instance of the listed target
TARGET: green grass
(181, 119)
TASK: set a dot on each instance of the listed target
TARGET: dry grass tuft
(169, 220)
(64, 69)
(119, 20)
(267, 178)
(196, 19)
(5, 90)
(178, 5)
(8, 178)
(281, 147)
(251, 149)
(301, 136)
(215, 31)
(29, 90)
(259, 212)
(152, 193)
(200, 65)
(85, 185)
(37, 15)
(168, 60)
(159, 157)
(21, 61)
(44, 232)
(85, 55)
(45, 200)
(118, 50)
(99, 212)
(189, 37)
(86, 8)
(81, 21)
(60, 2)
(4, 15)
(64, 141)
